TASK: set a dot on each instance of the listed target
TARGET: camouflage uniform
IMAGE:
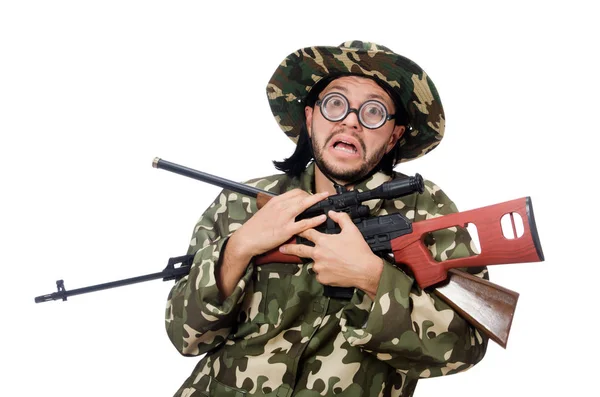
(277, 335)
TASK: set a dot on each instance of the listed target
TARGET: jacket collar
(307, 183)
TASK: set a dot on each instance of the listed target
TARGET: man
(356, 110)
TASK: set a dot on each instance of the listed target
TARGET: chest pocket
(265, 298)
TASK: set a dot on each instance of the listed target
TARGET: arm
(196, 317)
(202, 307)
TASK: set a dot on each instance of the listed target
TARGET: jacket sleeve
(197, 320)
(412, 329)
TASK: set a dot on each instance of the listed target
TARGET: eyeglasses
(372, 114)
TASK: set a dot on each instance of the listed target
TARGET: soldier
(355, 112)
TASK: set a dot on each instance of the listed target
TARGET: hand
(341, 260)
(275, 223)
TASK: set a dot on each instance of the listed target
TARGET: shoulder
(276, 183)
(232, 207)
(432, 202)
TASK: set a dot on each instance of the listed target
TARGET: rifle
(485, 305)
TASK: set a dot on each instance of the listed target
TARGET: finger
(311, 234)
(311, 200)
(301, 250)
(309, 223)
(295, 201)
(287, 204)
(341, 218)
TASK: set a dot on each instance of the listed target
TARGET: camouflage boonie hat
(301, 70)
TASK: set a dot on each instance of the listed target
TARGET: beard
(346, 175)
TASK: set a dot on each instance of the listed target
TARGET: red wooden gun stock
(495, 247)
(411, 250)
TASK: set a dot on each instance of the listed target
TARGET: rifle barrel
(64, 294)
(208, 178)
(170, 272)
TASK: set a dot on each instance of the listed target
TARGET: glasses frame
(349, 110)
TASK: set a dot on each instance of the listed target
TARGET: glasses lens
(334, 106)
(373, 114)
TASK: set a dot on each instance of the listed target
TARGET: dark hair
(297, 162)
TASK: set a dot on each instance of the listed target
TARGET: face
(346, 150)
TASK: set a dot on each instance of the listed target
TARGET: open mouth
(345, 146)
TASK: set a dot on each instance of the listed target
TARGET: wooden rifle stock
(496, 248)
(487, 306)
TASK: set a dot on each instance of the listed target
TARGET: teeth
(344, 149)
(348, 147)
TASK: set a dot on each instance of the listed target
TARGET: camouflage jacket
(277, 335)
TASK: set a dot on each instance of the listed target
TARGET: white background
(92, 91)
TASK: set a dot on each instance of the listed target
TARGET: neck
(324, 184)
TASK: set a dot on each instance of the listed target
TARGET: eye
(336, 102)
(374, 111)
(334, 106)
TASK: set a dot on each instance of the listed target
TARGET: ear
(396, 135)
(308, 113)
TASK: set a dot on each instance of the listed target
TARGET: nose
(351, 119)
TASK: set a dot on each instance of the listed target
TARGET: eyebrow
(345, 90)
